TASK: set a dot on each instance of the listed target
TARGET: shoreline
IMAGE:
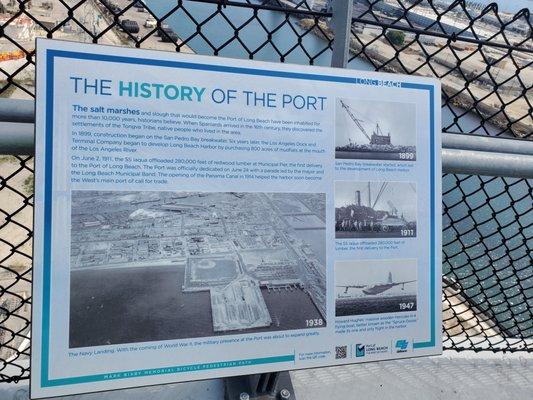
(151, 42)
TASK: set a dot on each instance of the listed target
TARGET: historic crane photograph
(375, 130)
(375, 210)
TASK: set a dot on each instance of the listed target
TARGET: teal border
(51, 56)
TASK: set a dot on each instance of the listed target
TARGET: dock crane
(377, 136)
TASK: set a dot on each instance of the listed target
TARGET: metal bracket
(267, 386)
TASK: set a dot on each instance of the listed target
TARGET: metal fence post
(461, 153)
(16, 139)
(342, 25)
(14, 110)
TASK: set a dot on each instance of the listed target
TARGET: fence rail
(481, 54)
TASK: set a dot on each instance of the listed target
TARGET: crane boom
(380, 192)
(354, 119)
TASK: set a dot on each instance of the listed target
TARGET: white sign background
(60, 370)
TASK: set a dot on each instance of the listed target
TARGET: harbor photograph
(375, 130)
(375, 286)
(374, 210)
(150, 266)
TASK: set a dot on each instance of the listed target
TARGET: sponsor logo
(367, 349)
(371, 349)
(401, 346)
(360, 350)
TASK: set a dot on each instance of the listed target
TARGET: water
(374, 155)
(315, 238)
(253, 37)
(490, 255)
(129, 305)
(374, 305)
(219, 39)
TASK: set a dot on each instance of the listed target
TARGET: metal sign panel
(200, 217)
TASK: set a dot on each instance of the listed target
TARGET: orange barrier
(12, 55)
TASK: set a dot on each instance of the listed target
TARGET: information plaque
(200, 217)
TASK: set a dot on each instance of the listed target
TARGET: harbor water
(143, 304)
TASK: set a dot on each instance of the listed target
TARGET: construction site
(354, 219)
(354, 141)
(495, 81)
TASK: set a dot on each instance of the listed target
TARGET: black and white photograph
(375, 210)
(151, 266)
(375, 286)
(375, 130)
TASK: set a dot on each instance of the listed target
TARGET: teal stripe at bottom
(167, 370)
(421, 345)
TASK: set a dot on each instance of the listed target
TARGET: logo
(359, 350)
(401, 346)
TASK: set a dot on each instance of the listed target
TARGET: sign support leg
(267, 386)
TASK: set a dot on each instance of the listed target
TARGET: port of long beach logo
(362, 350)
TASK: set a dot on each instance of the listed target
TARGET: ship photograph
(375, 210)
(375, 130)
(375, 286)
(150, 266)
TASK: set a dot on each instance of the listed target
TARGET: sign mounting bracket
(266, 386)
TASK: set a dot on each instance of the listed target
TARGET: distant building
(21, 28)
(447, 24)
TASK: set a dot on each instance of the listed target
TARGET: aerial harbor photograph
(375, 210)
(375, 286)
(149, 266)
(375, 130)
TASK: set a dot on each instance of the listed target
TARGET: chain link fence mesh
(482, 55)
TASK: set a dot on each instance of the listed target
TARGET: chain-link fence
(482, 55)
